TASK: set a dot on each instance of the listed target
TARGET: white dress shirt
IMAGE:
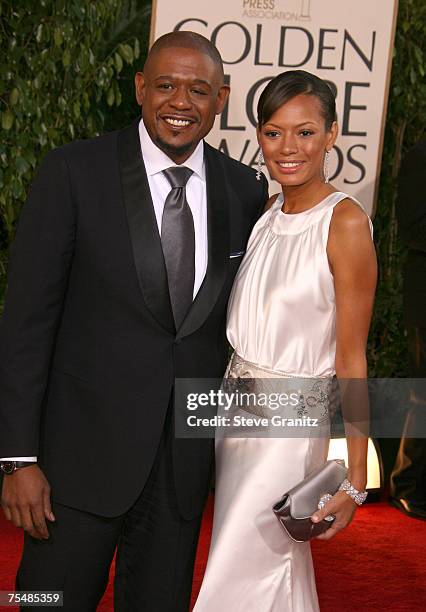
(155, 162)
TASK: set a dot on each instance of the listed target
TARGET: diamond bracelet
(359, 497)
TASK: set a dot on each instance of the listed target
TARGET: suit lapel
(143, 229)
(218, 244)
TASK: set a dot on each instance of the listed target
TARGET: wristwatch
(8, 467)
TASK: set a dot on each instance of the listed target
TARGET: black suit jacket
(88, 350)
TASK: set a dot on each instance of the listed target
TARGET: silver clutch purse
(295, 508)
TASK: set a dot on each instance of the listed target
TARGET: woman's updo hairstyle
(290, 84)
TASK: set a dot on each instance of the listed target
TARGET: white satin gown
(281, 318)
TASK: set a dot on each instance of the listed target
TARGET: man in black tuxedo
(119, 279)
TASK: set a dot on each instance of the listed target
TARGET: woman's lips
(289, 167)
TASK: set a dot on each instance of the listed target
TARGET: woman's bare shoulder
(348, 215)
(350, 232)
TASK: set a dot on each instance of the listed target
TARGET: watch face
(8, 467)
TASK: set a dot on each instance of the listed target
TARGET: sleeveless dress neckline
(281, 223)
(280, 201)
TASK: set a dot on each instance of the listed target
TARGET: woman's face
(294, 141)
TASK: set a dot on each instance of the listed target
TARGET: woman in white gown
(300, 307)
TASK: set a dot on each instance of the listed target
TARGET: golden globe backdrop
(348, 43)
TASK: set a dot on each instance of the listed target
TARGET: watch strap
(8, 467)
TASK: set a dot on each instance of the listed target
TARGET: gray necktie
(178, 241)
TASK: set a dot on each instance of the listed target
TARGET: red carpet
(377, 563)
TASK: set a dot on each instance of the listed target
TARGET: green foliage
(134, 24)
(405, 125)
(60, 75)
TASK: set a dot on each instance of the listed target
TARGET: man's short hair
(186, 40)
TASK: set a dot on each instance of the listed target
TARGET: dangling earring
(326, 175)
(260, 162)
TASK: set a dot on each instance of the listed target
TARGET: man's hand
(26, 501)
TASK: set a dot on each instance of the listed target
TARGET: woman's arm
(353, 264)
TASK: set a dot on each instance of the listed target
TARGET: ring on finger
(324, 499)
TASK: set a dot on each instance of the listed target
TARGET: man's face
(180, 92)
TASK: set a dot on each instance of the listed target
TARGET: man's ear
(140, 87)
(222, 98)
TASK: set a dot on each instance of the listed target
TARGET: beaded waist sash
(265, 392)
